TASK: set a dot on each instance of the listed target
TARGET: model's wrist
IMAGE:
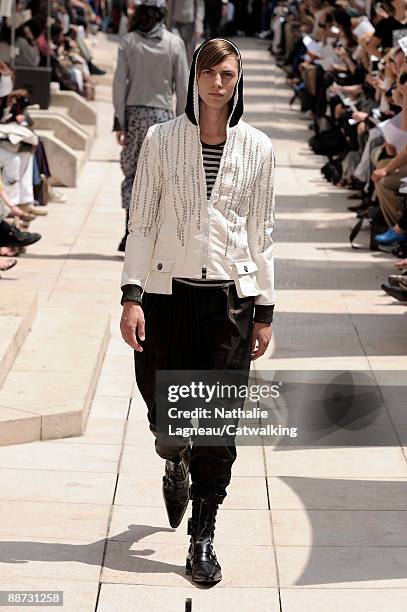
(131, 293)
(130, 303)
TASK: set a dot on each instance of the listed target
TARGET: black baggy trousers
(195, 328)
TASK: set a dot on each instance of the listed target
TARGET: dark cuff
(116, 125)
(131, 293)
(263, 314)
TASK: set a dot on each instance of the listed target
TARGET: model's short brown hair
(213, 52)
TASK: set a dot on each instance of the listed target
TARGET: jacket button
(159, 266)
(246, 269)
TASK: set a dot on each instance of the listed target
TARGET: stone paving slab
(110, 407)
(50, 485)
(60, 454)
(78, 596)
(100, 431)
(141, 490)
(140, 598)
(164, 565)
(340, 528)
(338, 567)
(135, 458)
(34, 519)
(48, 558)
(298, 492)
(253, 526)
(337, 600)
(336, 462)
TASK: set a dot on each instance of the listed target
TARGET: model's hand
(121, 138)
(132, 325)
(262, 334)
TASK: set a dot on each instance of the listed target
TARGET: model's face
(217, 84)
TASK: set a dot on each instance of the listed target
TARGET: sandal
(6, 264)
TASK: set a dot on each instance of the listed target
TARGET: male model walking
(187, 18)
(200, 247)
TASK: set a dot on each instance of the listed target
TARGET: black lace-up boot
(176, 487)
(201, 563)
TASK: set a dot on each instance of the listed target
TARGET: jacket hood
(236, 102)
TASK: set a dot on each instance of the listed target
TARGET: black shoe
(122, 245)
(176, 488)
(396, 280)
(396, 292)
(95, 70)
(202, 564)
(11, 236)
(359, 207)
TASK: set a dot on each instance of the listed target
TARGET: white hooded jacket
(175, 232)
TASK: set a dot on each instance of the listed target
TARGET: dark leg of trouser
(126, 231)
(195, 329)
(213, 16)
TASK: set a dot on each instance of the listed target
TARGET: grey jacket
(149, 70)
(186, 11)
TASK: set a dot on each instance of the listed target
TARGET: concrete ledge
(52, 382)
(64, 162)
(18, 308)
(18, 427)
(78, 108)
(63, 111)
(65, 128)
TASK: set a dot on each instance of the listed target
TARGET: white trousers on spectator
(17, 175)
(363, 169)
(3, 211)
(277, 34)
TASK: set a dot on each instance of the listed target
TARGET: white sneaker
(56, 196)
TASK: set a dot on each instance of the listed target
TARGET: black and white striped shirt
(212, 155)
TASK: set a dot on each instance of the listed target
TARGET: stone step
(65, 128)
(105, 79)
(17, 312)
(77, 107)
(64, 162)
(48, 391)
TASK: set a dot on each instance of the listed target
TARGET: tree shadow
(358, 531)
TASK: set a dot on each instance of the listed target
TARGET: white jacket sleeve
(260, 228)
(145, 211)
